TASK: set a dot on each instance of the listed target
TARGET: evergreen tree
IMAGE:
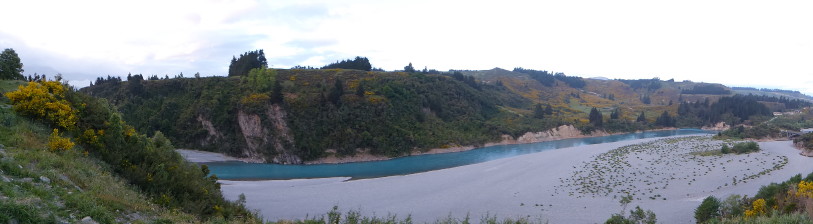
(359, 63)
(615, 114)
(336, 93)
(276, 92)
(360, 90)
(665, 120)
(543, 77)
(539, 113)
(250, 60)
(596, 118)
(641, 118)
(409, 68)
(10, 65)
(645, 99)
(548, 110)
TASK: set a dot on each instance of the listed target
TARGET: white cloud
(741, 43)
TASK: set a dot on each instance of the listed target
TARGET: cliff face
(268, 141)
(561, 132)
(720, 126)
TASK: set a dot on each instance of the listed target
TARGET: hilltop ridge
(291, 116)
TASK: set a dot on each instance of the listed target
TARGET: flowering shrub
(44, 100)
(59, 143)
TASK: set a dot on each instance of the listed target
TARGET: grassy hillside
(42, 182)
(39, 186)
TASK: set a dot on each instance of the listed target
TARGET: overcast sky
(737, 43)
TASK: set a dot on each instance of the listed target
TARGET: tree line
(710, 89)
(549, 79)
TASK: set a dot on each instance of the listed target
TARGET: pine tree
(276, 92)
(645, 99)
(359, 63)
(641, 118)
(247, 61)
(336, 93)
(360, 90)
(615, 114)
(409, 68)
(665, 120)
(539, 113)
(596, 118)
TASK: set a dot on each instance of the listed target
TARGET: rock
(45, 180)
(13, 221)
(27, 179)
(561, 132)
(5, 179)
(720, 126)
(88, 220)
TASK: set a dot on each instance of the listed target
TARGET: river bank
(558, 133)
(543, 184)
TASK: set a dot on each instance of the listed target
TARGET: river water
(416, 164)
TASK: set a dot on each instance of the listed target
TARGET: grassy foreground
(40, 186)
(74, 183)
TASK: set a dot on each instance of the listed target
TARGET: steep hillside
(297, 115)
(41, 186)
(68, 157)
(321, 112)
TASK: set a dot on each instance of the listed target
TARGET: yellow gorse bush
(804, 189)
(59, 143)
(45, 100)
(758, 208)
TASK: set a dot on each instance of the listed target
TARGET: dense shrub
(745, 147)
(708, 209)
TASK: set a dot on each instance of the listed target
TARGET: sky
(765, 44)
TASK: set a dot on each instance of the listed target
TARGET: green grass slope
(38, 185)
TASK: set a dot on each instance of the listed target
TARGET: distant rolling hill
(772, 92)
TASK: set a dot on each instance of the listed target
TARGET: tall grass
(335, 216)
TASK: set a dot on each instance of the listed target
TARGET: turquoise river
(419, 163)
